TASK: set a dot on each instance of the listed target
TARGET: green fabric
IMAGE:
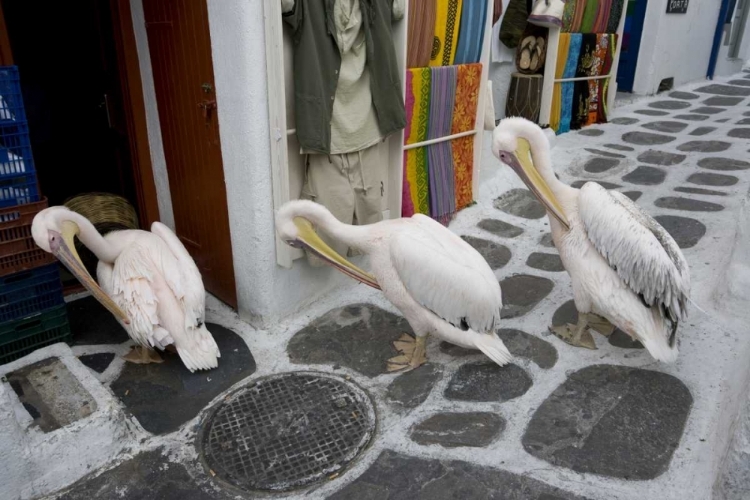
(589, 16)
(316, 67)
(513, 24)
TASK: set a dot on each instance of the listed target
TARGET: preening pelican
(439, 282)
(623, 265)
(148, 282)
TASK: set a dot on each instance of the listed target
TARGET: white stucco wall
(679, 46)
(158, 163)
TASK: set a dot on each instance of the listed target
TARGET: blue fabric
(571, 63)
(471, 32)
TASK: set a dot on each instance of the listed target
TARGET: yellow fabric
(447, 23)
(562, 56)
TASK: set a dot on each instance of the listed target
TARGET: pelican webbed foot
(142, 356)
(575, 335)
(600, 324)
(412, 353)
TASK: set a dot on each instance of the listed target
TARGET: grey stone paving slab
(591, 132)
(499, 228)
(521, 292)
(645, 176)
(664, 158)
(650, 112)
(619, 147)
(678, 94)
(646, 138)
(728, 164)
(740, 133)
(741, 83)
(625, 120)
(164, 396)
(91, 324)
(357, 336)
(488, 382)
(722, 120)
(688, 204)
(410, 389)
(692, 118)
(520, 344)
(686, 232)
(608, 154)
(722, 101)
(623, 340)
(702, 130)
(546, 240)
(495, 254)
(545, 262)
(744, 121)
(567, 313)
(609, 420)
(633, 195)
(97, 362)
(707, 110)
(669, 104)
(711, 179)
(521, 203)
(606, 185)
(598, 165)
(720, 89)
(670, 127)
(453, 430)
(400, 477)
(704, 146)
(692, 190)
(146, 476)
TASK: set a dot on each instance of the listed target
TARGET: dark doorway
(631, 44)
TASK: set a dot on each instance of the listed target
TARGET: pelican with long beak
(627, 271)
(147, 280)
(439, 282)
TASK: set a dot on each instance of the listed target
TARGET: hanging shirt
(346, 77)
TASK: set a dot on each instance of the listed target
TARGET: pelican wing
(446, 275)
(642, 252)
(182, 276)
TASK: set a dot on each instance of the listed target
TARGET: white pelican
(148, 282)
(623, 265)
(439, 282)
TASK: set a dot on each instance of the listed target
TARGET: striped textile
(420, 32)
(562, 58)
(439, 156)
(418, 113)
(468, 78)
(471, 34)
(446, 32)
(571, 63)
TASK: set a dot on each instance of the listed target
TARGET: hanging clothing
(317, 70)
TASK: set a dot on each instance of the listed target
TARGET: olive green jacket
(316, 67)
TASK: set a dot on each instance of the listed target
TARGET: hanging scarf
(563, 48)
(471, 34)
(464, 119)
(603, 110)
(589, 16)
(571, 63)
(439, 156)
(446, 32)
(418, 113)
(568, 15)
(600, 54)
(615, 12)
(420, 32)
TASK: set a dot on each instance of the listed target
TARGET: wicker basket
(107, 212)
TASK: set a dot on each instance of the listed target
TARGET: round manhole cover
(287, 431)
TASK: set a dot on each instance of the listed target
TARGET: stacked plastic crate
(32, 309)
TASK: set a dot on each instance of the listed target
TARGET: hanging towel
(421, 32)
(602, 16)
(464, 119)
(589, 16)
(603, 111)
(600, 54)
(407, 205)
(471, 34)
(418, 113)
(580, 7)
(581, 88)
(563, 48)
(439, 155)
(447, 27)
(568, 15)
(571, 63)
(615, 11)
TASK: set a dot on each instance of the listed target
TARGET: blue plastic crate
(16, 157)
(30, 292)
(22, 336)
(18, 190)
(11, 100)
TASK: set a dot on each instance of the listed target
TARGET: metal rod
(439, 139)
(582, 78)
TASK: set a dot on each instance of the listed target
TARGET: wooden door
(180, 48)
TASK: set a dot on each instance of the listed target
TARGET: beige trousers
(350, 185)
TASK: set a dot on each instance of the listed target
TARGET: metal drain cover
(287, 431)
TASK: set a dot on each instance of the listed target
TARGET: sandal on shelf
(537, 58)
(526, 51)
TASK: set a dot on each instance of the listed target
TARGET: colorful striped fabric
(439, 156)
(563, 49)
(447, 27)
(407, 205)
(418, 114)
(580, 7)
(603, 111)
(471, 34)
(571, 63)
(464, 119)
(568, 15)
(599, 56)
(615, 12)
(421, 32)
(602, 16)
(589, 16)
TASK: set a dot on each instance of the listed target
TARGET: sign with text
(677, 6)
